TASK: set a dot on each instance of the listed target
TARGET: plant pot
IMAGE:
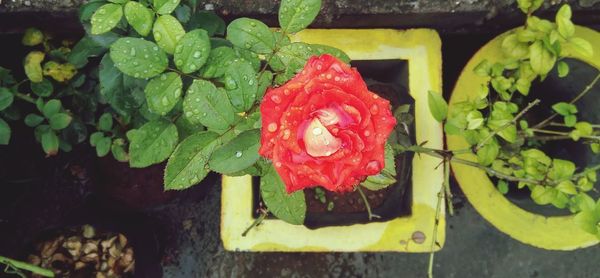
(534, 228)
(421, 48)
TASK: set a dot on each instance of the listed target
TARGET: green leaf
(4, 132)
(483, 68)
(582, 46)
(249, 57)
(50, 142)
(239, 154)
(118, 150)
(474, 120)
(570, 120)
(33, 120)
(437, 106)
(204, 104)
(60, 121)
(488, 153)
(387, 175)
(529, 6)
(543, 195)
(105, 122)
(6, 98)
(183, 13)
(32, 37)
(152, 143)
(561, 170)
(290, 208)
(542, 60)
(165, 6)
(51, 108)
(103, 146)
(563, 69)
(295, 15)
(567, 187)
(188, 164)
(42, 89)
(587, 221)
(241, 85)
(95, 138)
(264, 81)
(251, 34)
(513, 47)
(502, 186)
(563, 21)
(33, 66)
(163, 92)
(320, 49)
(138, 58)
(218, 61)
(208, 21)
(167, 32)
(564, 109)
(106, 18)
(90, 46)
(290, 59)
(192, 51)
(139, 17)
(125, 94)
(584, 128)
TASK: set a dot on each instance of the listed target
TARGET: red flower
(324, 127)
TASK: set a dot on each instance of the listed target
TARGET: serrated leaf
(125, 94)
(42, 89)
(320, 49)
(60, 121)
(241, 85)
(152, 143)
(165, 6)
(239, 154)
(290, 208)
(208, 21)
(139, 17)
(50, 142)
(218, 60)
(295, 15)
(138, 58)
(33, 120)
(33, 66)
(5, 132)
(51, 108)
(6, 98)
(188, 164)
(163, 92)
(542, 60)
(563, 69)
(582, 46)
(106, 18)
(437, 106)
(204, 104)
(167, 32)
(251, 34)
(105, 122)
(192, 51)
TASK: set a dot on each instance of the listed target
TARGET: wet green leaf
(387, 175)
(138, 58)
(139, 17)
(163, 92)
(192, 51)
(106, 18)
(187, 166)
(295, 15)
(241, 85)
(204, 104)
(152, 143)
(239, 154)
(219, 59)
(251, 34)
(208, 21)
(165, 6)
(167, 32)
(183, 13)
(125, 94)
(320, 49)
(290, 208)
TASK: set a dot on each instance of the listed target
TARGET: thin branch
(564, 125)
(513, 121)
(447, 188)
(364, 198)
(438, 210)
(578, 97)
(545, 131)
(257, 221)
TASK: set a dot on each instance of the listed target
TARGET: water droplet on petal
(374, 109)
(276, 99)
(272, 127)
(317, 131)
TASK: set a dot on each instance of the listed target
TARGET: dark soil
(345, 202)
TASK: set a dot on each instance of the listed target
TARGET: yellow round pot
(556, 232)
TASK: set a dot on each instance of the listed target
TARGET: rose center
(319, 141)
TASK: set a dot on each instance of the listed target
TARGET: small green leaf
(563, 69)
(437, 106)
(582, 46)
(290, 208)
(564, 109)
(290, 60)
(241, 85)
(42, 89)
(6, 98)
(187, 166)
(95, 138)
(165, 6)
(204, 104)
(138, 58)
(139, 17)
(320, 49)
(561, 170)
(563, 21)
(183, 13)
(60, 121)
(483, 68)
(543, 195)
(33, 36)
(152, 143)
(239, 154)
(488, 153)
(208, 21)
(218, 61)
(118, 150)
(192, 51)
(33, 120)
(105, 122)
(587, 221)
(502, 186)
(387, 175)
(542, 60)
(167, 32)
(163, 92)
(251, 34)
(51, 107)
(264, 81)
(570, 120)
(295, 15)
(103, 146)
(567, 187)
(33, 66)
(50, 142)
(513, 47)
(4, 132)
(106, 18)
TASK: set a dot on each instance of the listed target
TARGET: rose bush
(324, 127)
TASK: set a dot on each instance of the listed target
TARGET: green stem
(586, 90)
(446, 184)
(256, 222)
(26, 266)
(581, 174)
(364, 198)
(25, 97)
(438, 211)
(564, 125)
(545, 131)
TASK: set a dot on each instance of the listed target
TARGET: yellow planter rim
(553, 233)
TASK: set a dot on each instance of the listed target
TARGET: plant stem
(513, 121)
(545, 131)
(26, 266)
(257, 221)
(564, 125)
(438, 211)
(364, 198)
(25, 97)
(446, 184)
(578, 97)
(581, 174)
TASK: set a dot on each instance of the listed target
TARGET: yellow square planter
(422, 49)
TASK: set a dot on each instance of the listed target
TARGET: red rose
(324, 127)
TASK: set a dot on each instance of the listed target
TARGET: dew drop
(204, 114)
(317, 131)
(163, 77)
(276, 99)
(188, 114)
(286, 134)
(238, 154)
(272, 127)
(337, 78)
(165, 101)
(367, 133)
(192, 67)
(197, 54)
(179, 62)
(277, 164)
(374, 109)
